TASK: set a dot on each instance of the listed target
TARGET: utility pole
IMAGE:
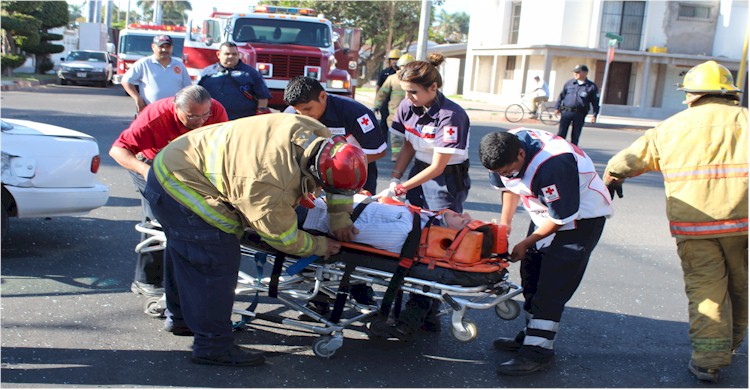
(424, 30)
(614, 39)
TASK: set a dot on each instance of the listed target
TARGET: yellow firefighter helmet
(709, 77)
(404, 59)
(394, 54)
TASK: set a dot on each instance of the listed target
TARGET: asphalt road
(70, 320)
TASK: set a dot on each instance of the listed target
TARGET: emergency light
(313, 72)
(269, 9)
(265, 69)
(139, 26)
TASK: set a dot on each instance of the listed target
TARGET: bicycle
(546, 112)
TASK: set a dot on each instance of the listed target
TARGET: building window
(624, 18)
(515, 22)
(694, 12)
(510, 68)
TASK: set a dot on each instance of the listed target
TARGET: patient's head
(455, 220)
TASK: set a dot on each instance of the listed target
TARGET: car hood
(22, 127)
(85, 64)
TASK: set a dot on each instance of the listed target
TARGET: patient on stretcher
(383, 226)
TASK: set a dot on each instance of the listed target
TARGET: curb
(18, 84)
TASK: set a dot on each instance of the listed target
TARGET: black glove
(614, 188)
(376, 110)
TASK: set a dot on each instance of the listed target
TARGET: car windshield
(278, 31)
(86, 56)
(5, 125)
(141, 45)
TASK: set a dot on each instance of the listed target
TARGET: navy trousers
(149, 267)
(577, 119)
(201, 264)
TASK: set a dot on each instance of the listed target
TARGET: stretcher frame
(294, 291)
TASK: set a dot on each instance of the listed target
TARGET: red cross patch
(177, 69)
(365, 123)
(450, 134)
(550, 193)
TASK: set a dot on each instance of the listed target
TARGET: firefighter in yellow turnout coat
(207, 186)
(702, 153)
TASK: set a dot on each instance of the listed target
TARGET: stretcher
(296, 281)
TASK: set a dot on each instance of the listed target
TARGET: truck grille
(288, 66)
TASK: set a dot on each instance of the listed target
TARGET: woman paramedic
(436, 133)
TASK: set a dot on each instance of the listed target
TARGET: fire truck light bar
(138, 26)
(268, 9)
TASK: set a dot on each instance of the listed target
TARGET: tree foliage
(172, 11)
(25, 25)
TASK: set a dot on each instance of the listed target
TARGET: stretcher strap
(300, 265)
(273, 288)
(260, 261)
(408, 252)
(343, 292)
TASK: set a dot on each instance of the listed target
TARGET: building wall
(728, 37)
(688, 36)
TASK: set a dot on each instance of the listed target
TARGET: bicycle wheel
(548, 116)
(514, 113)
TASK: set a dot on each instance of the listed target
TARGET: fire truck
(281, 43)
(135, 43)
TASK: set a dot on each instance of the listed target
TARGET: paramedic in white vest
(544, 172)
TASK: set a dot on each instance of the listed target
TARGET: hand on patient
(332, 248)
(395, 190)
(346, 234)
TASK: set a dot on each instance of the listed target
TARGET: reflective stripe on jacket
(703, 154)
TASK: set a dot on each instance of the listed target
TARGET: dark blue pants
(549, 278)
(372, 178)
(201, 264)
(577, 119)
(149, 266)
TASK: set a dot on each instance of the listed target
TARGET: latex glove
(395, 190)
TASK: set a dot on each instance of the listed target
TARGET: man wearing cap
(702, 154)
(157, 76)
(573, 104)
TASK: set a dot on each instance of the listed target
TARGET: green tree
(384, 24)
(450, 28)
(172, 11)
(19, 28)
(50, 14)
(75, 12)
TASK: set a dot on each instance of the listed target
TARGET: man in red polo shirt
(157, 125)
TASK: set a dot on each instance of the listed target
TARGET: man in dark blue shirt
(573, 104)
(237, 86)
(343, 116)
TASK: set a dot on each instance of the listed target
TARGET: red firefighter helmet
(340, 167)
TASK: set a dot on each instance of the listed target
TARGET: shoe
(506, 344)
(704, 374)
(401, 331)
(145, 289)
(519, 366)
(235, 357)
(319, 307)
(177, 330)
(431, 323)
(363, 294)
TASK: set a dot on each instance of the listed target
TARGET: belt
(571, 109)
(454, 169)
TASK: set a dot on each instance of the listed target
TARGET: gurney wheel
(379, 328)
(469, 332)
(322, 347)
(508, 310)
(152, 309)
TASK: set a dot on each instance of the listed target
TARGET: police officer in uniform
(567, 220)
(343, 116)
(436, 135)
(573, 103)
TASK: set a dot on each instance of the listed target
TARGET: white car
(48, 171)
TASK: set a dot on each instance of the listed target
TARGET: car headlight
(65, 68)
(337, 84)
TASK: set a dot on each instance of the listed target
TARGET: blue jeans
(201, 264)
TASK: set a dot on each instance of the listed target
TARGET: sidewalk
(486, 112)
(13, 85)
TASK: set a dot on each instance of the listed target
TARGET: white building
(510, 42)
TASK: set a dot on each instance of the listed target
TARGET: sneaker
(145, 289)
(704, 374)
(235, 357)
(177, 330)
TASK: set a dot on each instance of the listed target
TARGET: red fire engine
(281, 42)
(135, 43)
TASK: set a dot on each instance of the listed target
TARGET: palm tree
(172, 11)
(75, 12)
